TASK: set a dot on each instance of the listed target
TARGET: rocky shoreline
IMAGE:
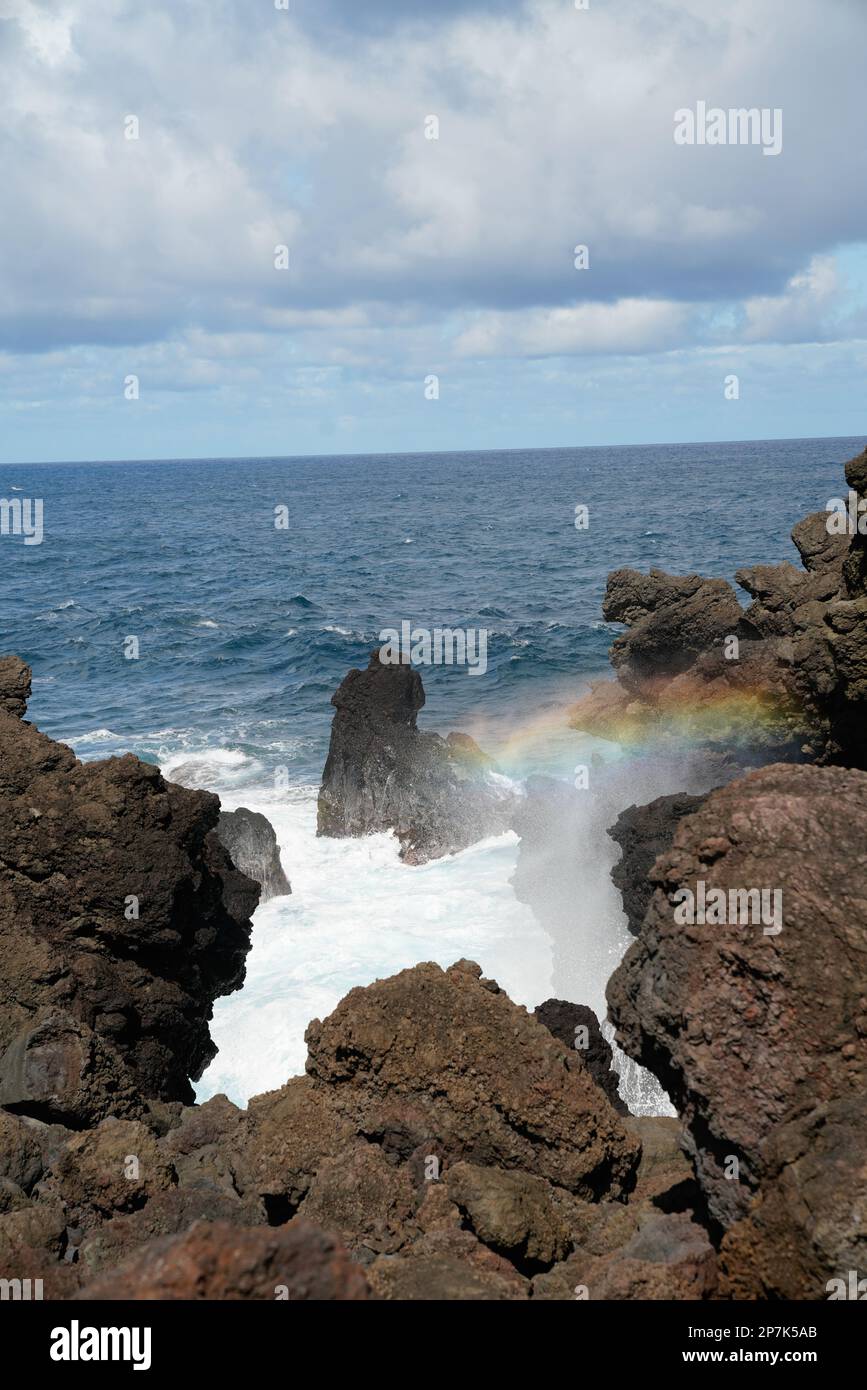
(444, 1143)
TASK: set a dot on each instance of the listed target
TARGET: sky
(281, 261)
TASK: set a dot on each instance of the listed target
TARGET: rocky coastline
(445, 1143)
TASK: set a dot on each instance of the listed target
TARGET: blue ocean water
(245, 631)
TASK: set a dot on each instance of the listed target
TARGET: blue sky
(408, 257)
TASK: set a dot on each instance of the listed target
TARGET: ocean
(244, 630)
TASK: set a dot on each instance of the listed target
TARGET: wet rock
(384, 773)
(251, 841)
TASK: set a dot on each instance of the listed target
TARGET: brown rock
(168, 1213)
(432, 1057)
(367, 1201)
(116, 1167)
(746, 1029)
(446, 1266)
(808, 1224)
(668, 1257)
(513, 1213)
(15, 686)
(115, 934)
(216, 1260)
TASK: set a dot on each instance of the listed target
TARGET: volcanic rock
(432, 1057)
(746, 1027)
(808, 1224)
(217, 1260)
(251, 841)
(564, 1020)
(115, 934)
(668, 1257)
(15, 686)
(795, 684)
(384, 773)
(512, 1213)
(643, 833)
(447, 1266)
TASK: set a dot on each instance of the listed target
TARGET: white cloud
(628, 326)
(805, 311)
(411, 255)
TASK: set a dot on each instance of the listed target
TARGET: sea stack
(383, 773)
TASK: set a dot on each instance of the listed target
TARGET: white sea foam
(209, 768)
(357, 914)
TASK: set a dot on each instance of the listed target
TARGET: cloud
(806, 311)
(628, 326)
(307, 128)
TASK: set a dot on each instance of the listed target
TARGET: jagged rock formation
(442, 1138)
(383, 773)
(121, 920)
(759, 1036)
(795, 684)
(251, 841)
(643, 833)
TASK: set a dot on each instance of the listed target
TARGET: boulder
(251, 842)
(217, 1260)
(432, 1057)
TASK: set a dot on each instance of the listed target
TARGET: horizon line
(427, 453)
